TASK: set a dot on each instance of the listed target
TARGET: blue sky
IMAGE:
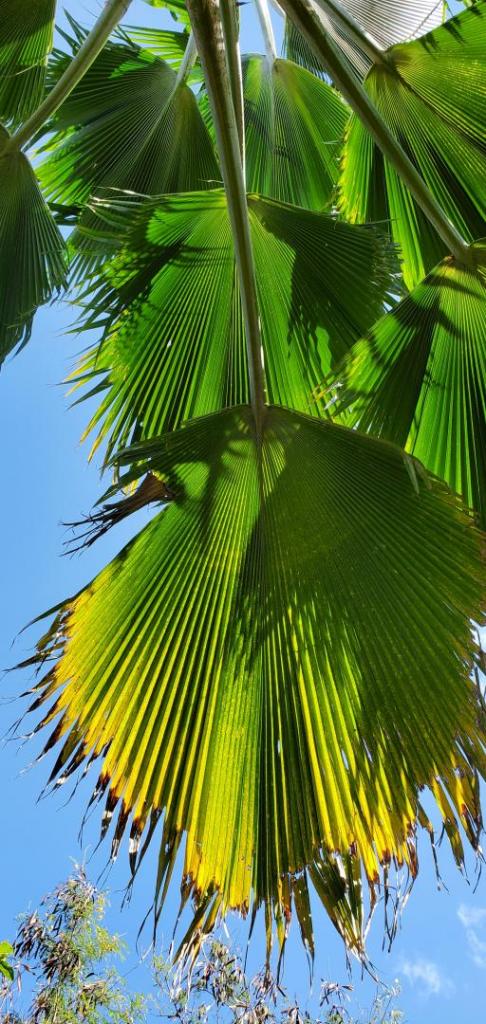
(439, 955)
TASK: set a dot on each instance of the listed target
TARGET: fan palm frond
(32, 263)
(26, 38)
(232, 666)
(383, 22)
(432, 94)
(174, 342)
(294, 130)
(419, 377)
(129, 124)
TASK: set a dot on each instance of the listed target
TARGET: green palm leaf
(296, 48)
(177, 9)
(386, 22)
(169, 44)
(174, 343)
(32, 263)
(128, 124)
(419, 377)
(294, 127)
(26, 37)
(164, 43)
(432, 94)
(259, 664)
(393, 21)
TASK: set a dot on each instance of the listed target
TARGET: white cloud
(478, 949)
(473, 918)
(428, 976)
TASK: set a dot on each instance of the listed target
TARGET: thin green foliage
(70, 959)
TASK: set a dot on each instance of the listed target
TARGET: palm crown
(283, 258)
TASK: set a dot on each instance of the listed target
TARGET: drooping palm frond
(336, 880)
(174, 342)
(169, 44)
(128, 124)
(385, 22)
(432, 95)
(32, 262)
(165, 43)
(308, 314)
(296, 48)
(394, 21)
(294, 130)
(26, 37)
(258, 666)
(419, 377)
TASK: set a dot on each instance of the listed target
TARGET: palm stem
(365, 41)
(229, 21)
(309, 23)
(188, 61)
(207, 26)
(113, 13)
(267, 29)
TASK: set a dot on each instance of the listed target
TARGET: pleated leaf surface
(165, 43)
(295, 47)
(127, 125)
(294, 132)
(174, 345)
(432, 95)
(26, 37)
(386, 21)
(419, 377)
(393, 21)
(32, 262)
(278, 662)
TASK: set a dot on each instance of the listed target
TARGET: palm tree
(281, 256)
